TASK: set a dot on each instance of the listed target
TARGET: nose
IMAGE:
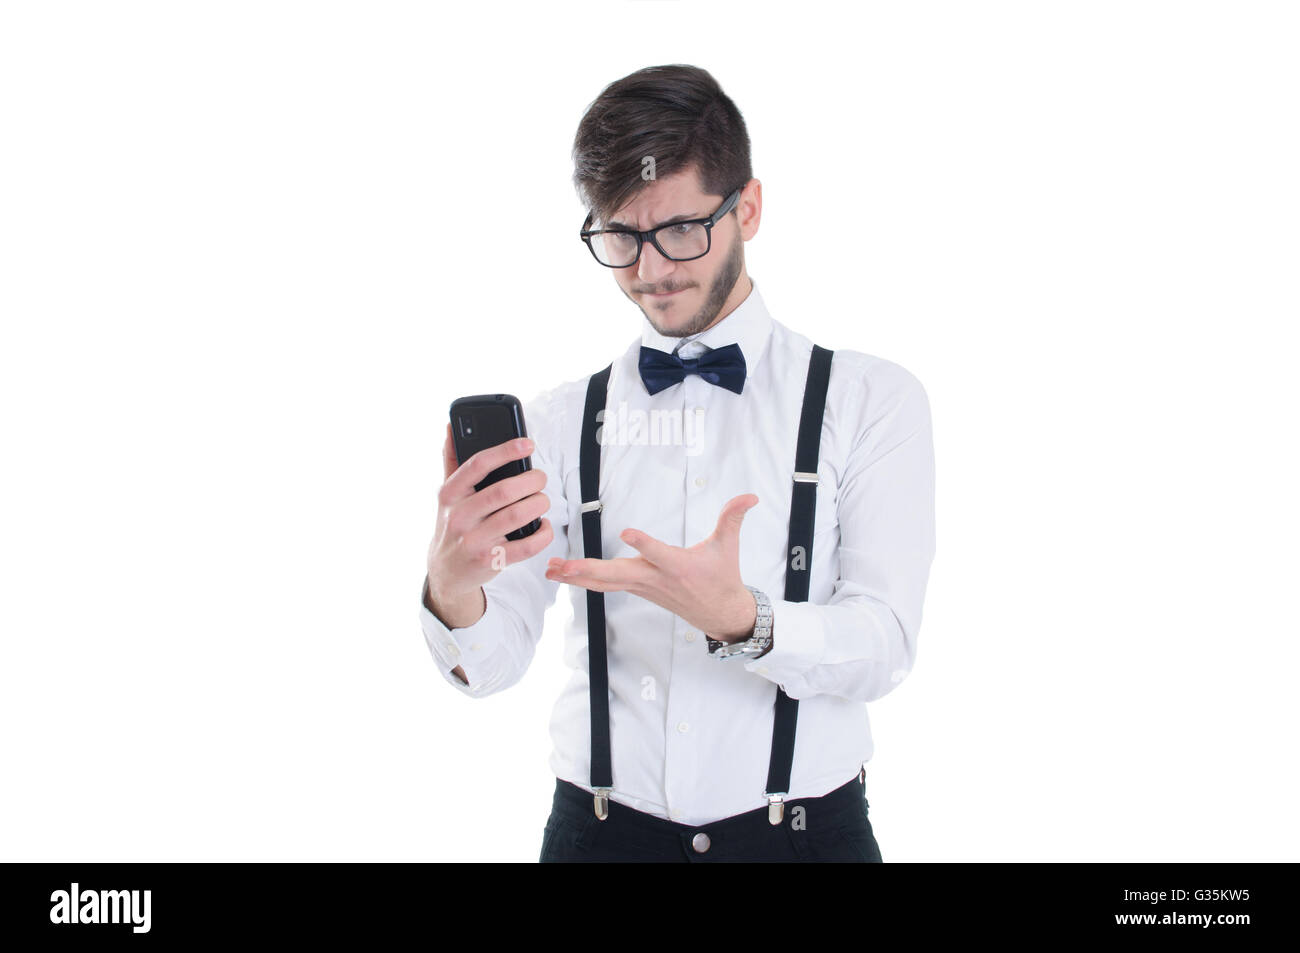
(653, 266)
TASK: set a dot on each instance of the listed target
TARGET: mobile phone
(486, 420)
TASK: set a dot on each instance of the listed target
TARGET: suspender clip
(775, 807)
(602, 803)
(593, 505)
(805, 477)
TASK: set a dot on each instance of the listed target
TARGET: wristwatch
(758, 642)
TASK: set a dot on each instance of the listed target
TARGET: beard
(719, 290)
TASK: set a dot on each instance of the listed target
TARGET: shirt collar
(749, 325)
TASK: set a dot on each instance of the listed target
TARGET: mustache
(662, 291)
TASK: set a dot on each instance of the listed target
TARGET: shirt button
(700, 842)
(699, 411)
(453, 648)
(683, 727)
(690, 636)
(474, 647)
(763, 670)
(700, 481)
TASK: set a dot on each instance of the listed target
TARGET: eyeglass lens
(679, 242)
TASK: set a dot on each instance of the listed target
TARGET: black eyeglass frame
(642, 237)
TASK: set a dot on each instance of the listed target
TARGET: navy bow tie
(724, 366)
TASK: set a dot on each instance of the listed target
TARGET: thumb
(733, 515)
(449, 462)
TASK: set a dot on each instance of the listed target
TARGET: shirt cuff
(463, 648)
(798, 643)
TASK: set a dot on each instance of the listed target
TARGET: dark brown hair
(677, 114)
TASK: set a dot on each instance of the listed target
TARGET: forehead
(672, 197)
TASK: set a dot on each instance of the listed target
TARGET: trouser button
(700, 842)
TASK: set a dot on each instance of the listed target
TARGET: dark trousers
(831, 828)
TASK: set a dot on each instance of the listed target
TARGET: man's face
(680, 298)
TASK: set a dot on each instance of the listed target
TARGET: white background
(237, 298)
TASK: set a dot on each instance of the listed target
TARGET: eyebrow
(672, 221)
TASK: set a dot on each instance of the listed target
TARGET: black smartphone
(486, 420)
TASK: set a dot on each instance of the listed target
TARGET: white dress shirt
(691, 735)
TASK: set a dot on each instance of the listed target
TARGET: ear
(749, 209)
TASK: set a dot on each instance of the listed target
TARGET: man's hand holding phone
(469, 542)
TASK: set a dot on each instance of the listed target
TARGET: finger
(494, 498)
(471, 472)
(620, 572)
(660, 553)
(517, 550)
(513, 517)
(506, 552)
(587, 582)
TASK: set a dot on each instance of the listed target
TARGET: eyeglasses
(676, 241)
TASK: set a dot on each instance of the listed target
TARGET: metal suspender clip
(775, 807)
(593, 505)
(804, 477)
(602, 802)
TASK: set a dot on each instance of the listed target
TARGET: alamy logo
(627, 426)
(101, 906)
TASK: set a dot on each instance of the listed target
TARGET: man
(689, 665)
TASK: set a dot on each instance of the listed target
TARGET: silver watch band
(758, 641)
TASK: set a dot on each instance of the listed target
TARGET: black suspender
(798, 564)
(803, 509)
(602, 778)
